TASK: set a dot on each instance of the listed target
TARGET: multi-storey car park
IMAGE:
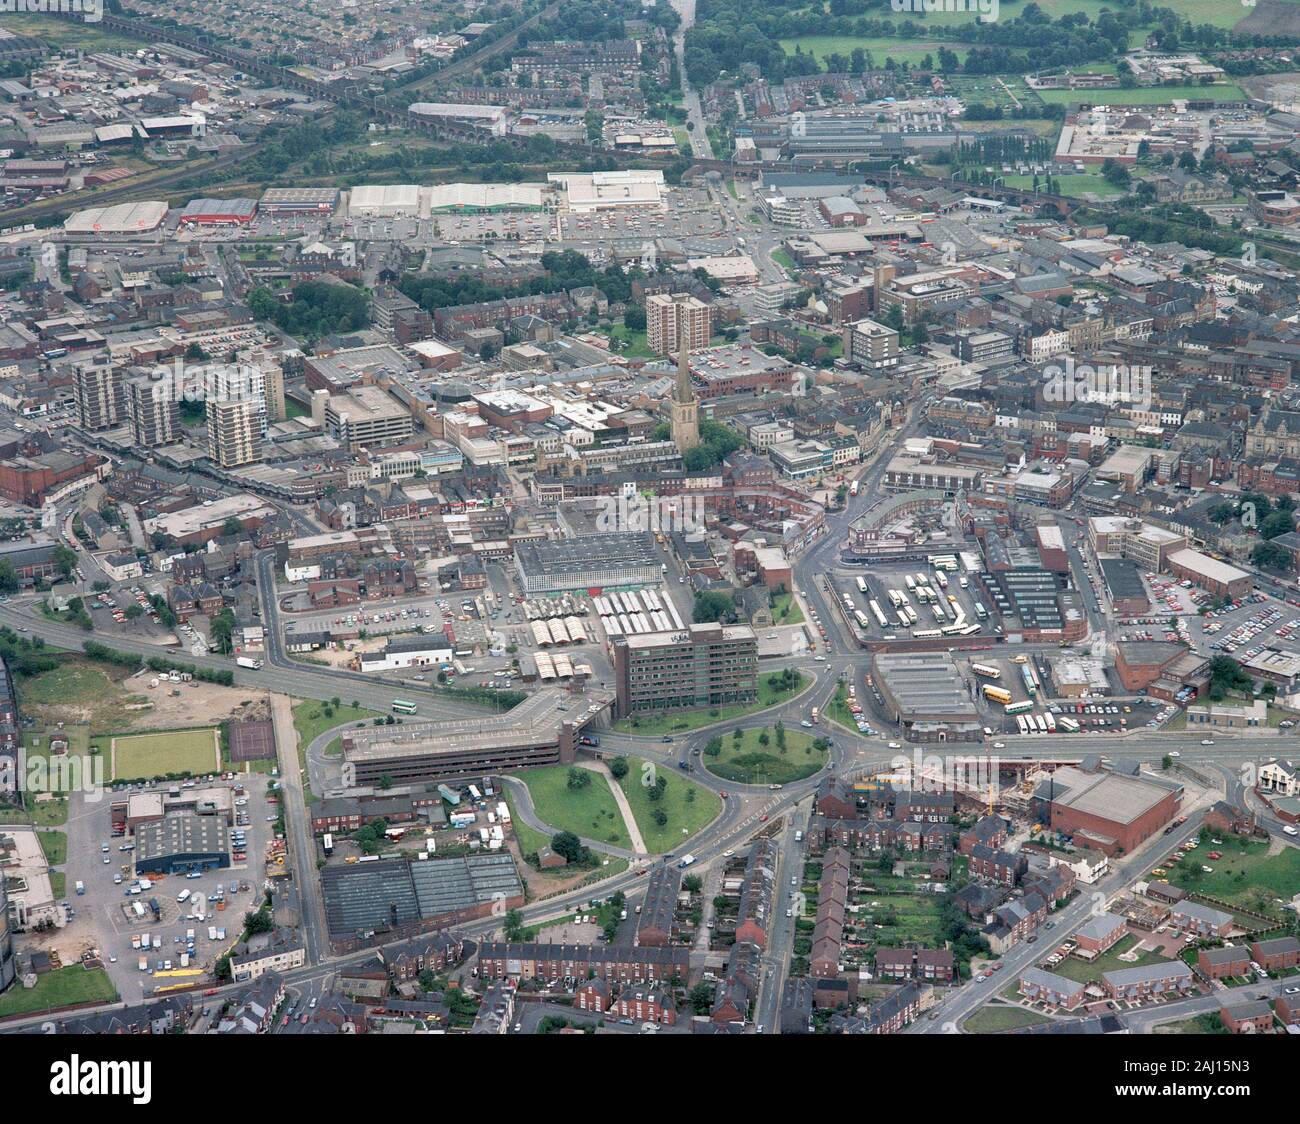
(542, 730)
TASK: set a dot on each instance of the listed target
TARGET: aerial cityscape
(650, 518)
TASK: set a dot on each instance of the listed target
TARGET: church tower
(685, 406)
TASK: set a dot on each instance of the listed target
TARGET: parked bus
(327, 844)
(986, 670)
(1020, 708)
(903, 622)
(1031, 680)
(401, 706)
(861, 618)
(879, 614)
(911, 616)
(970, 630)
(941, 578)
(996, 694)
(909, 581)
(862, 585)
(1020, 722)
(1050, 719)
(1067, 724)
(1041, 723)
(981, 612)
(928, 634)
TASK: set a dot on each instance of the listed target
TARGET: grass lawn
(1067, 185)
(634, 341)
(589, 811)
(55, 846)
(79, 691)
(910, 51)
(1108, 961)
(314, 717)
(783, 259)
(904, 918)
(688, 806)
(68, 35)
(748, 761)
(671, 722)
(837, 710)
(1142, 95)
(1247, 876)
(170, 752)
(994, 1017)
(785, 609)
(60, 988)
(54, 812)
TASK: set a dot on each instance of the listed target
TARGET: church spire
(682, 389)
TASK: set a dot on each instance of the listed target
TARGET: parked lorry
(81, 887)
(686, 860)
(248, 662)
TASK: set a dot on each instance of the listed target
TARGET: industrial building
(707, 665)
(299, 200)
(536, 732)
(396, 899)
(389, 200)
(925, 693)
(1209, 573)
(219, 212)
(181, 841)
(586, 192)
(123, 218)
(8, 965)
(1105, 811)
(587, 562)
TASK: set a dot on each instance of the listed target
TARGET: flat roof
(1107, 796)
(535, 721)
(1206, 566)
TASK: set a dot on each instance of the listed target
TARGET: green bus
(401, 706)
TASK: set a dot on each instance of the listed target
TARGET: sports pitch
(137, 756)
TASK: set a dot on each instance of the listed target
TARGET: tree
(713, 747)
(578, 778)
(568, 846)
(618, 767)
(1270, 556)
(514, 925)
(64, 560)
(712, 606)
(701, 998)
(222, 631)
(634, 318)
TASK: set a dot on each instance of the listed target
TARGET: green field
(688, 806)
(589, 812)
(68, 35)
(910, 51)
(903, 918)
(137, 756)
(60, 988)
(313, 718)
(1144, 95)
(1067, 185)
(55, 846)
(995, 1017)
(1246, 877)
(837, 710)
(749, 761)
(674, 721)
(634, 341)
(1108, 961)
(54, 812)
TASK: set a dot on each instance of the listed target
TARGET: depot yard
(757, 758)
(171, 753)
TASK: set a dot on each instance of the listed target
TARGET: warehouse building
(389, 200)
(1105, 811)
(488, 198)
(219, 212)
(536, 732)
(387, 900)
(1209, 573)
(925, 693)
(409, 651)
(707, 665)
(124, 218)
(181, 841)
(587, 562)
(299, 200)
